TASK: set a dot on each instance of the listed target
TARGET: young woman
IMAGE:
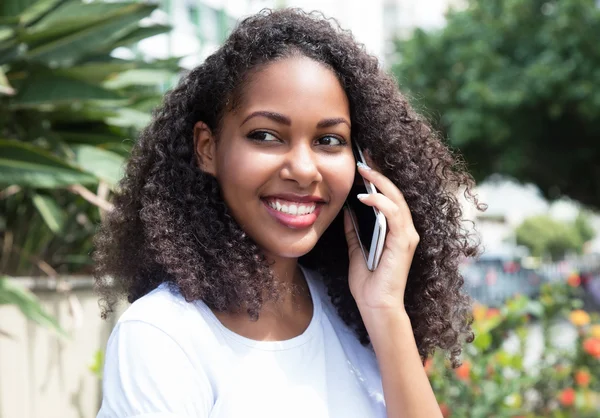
(251, 297)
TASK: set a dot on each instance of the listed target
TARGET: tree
(68, 113)
(545, 236)
(584, 228)
(514, 86)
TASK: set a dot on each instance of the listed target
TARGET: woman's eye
(262, 136)
(330, 141)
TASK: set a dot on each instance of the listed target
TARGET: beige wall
(42, 375)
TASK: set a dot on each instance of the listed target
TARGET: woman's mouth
(292, 208)
(293, 214)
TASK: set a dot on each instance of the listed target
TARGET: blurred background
(512, 85)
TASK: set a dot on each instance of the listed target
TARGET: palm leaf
(66, 50)
(105, 165)
(14, 8)
(51, 88)
(50, 212)
(29, 305)
(37, 10)
(5, 87)
(29, 166)
(139, 34)
(139, 77)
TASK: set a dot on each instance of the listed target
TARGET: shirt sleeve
(147, 374)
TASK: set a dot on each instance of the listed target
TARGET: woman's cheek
(341, 176)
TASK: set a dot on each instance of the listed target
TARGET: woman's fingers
(387, 188)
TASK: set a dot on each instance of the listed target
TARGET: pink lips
(294, 221)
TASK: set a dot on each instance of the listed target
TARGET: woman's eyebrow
(326, 123)
(279, 118)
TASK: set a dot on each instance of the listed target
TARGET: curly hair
(170, 223)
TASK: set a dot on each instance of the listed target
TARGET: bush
(495, 381)
(69, 111)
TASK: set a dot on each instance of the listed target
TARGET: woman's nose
(301, 165)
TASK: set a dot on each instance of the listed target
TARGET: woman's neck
(279, 320)
(285, 270)
(294, 288)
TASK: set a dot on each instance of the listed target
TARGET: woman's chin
(292, 250)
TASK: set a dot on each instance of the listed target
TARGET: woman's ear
(205, 148)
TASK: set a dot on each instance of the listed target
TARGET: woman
(250, 293)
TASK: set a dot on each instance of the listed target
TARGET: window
(194, 14)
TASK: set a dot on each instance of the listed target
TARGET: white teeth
(291, 208)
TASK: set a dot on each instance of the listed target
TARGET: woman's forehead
(293, 82)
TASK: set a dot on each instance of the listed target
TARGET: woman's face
(283, 158)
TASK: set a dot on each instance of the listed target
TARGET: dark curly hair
(170, 223)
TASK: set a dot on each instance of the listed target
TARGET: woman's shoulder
(154, 363)
(163, 300)
(165, 309)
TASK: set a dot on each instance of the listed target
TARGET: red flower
(463, 371)
(592, 347)
(574, 280)
(445, 410)
(567, 397)
(492, 313)
(428, 366)
(582, 378)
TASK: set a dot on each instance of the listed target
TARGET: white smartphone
(369, 223)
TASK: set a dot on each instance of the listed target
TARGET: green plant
(545, 236)
(96, 367)
(68, 113)
(512, 85)
(14, 294)
(496, 381)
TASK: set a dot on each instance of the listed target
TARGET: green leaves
(522, 366)
(15, 7)
(5, 87)
(103, 164)
(70, 48)
(28, 166)
(52, 214)
(548, 237)
(37, 10)
(69, 115)
(510, 83)
(28, 304)
(53, 89)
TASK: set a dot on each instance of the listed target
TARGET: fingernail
(363, 165)
(361, 196)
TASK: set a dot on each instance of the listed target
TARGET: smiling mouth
(292, 208)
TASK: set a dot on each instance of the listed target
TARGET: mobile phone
(369, 223)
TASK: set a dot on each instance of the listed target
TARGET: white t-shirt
(168, 358)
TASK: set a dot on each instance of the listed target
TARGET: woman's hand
(380, 299)
(383, 288)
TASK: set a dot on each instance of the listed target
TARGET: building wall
(200, 26)
(43, 375)
(364, 19)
